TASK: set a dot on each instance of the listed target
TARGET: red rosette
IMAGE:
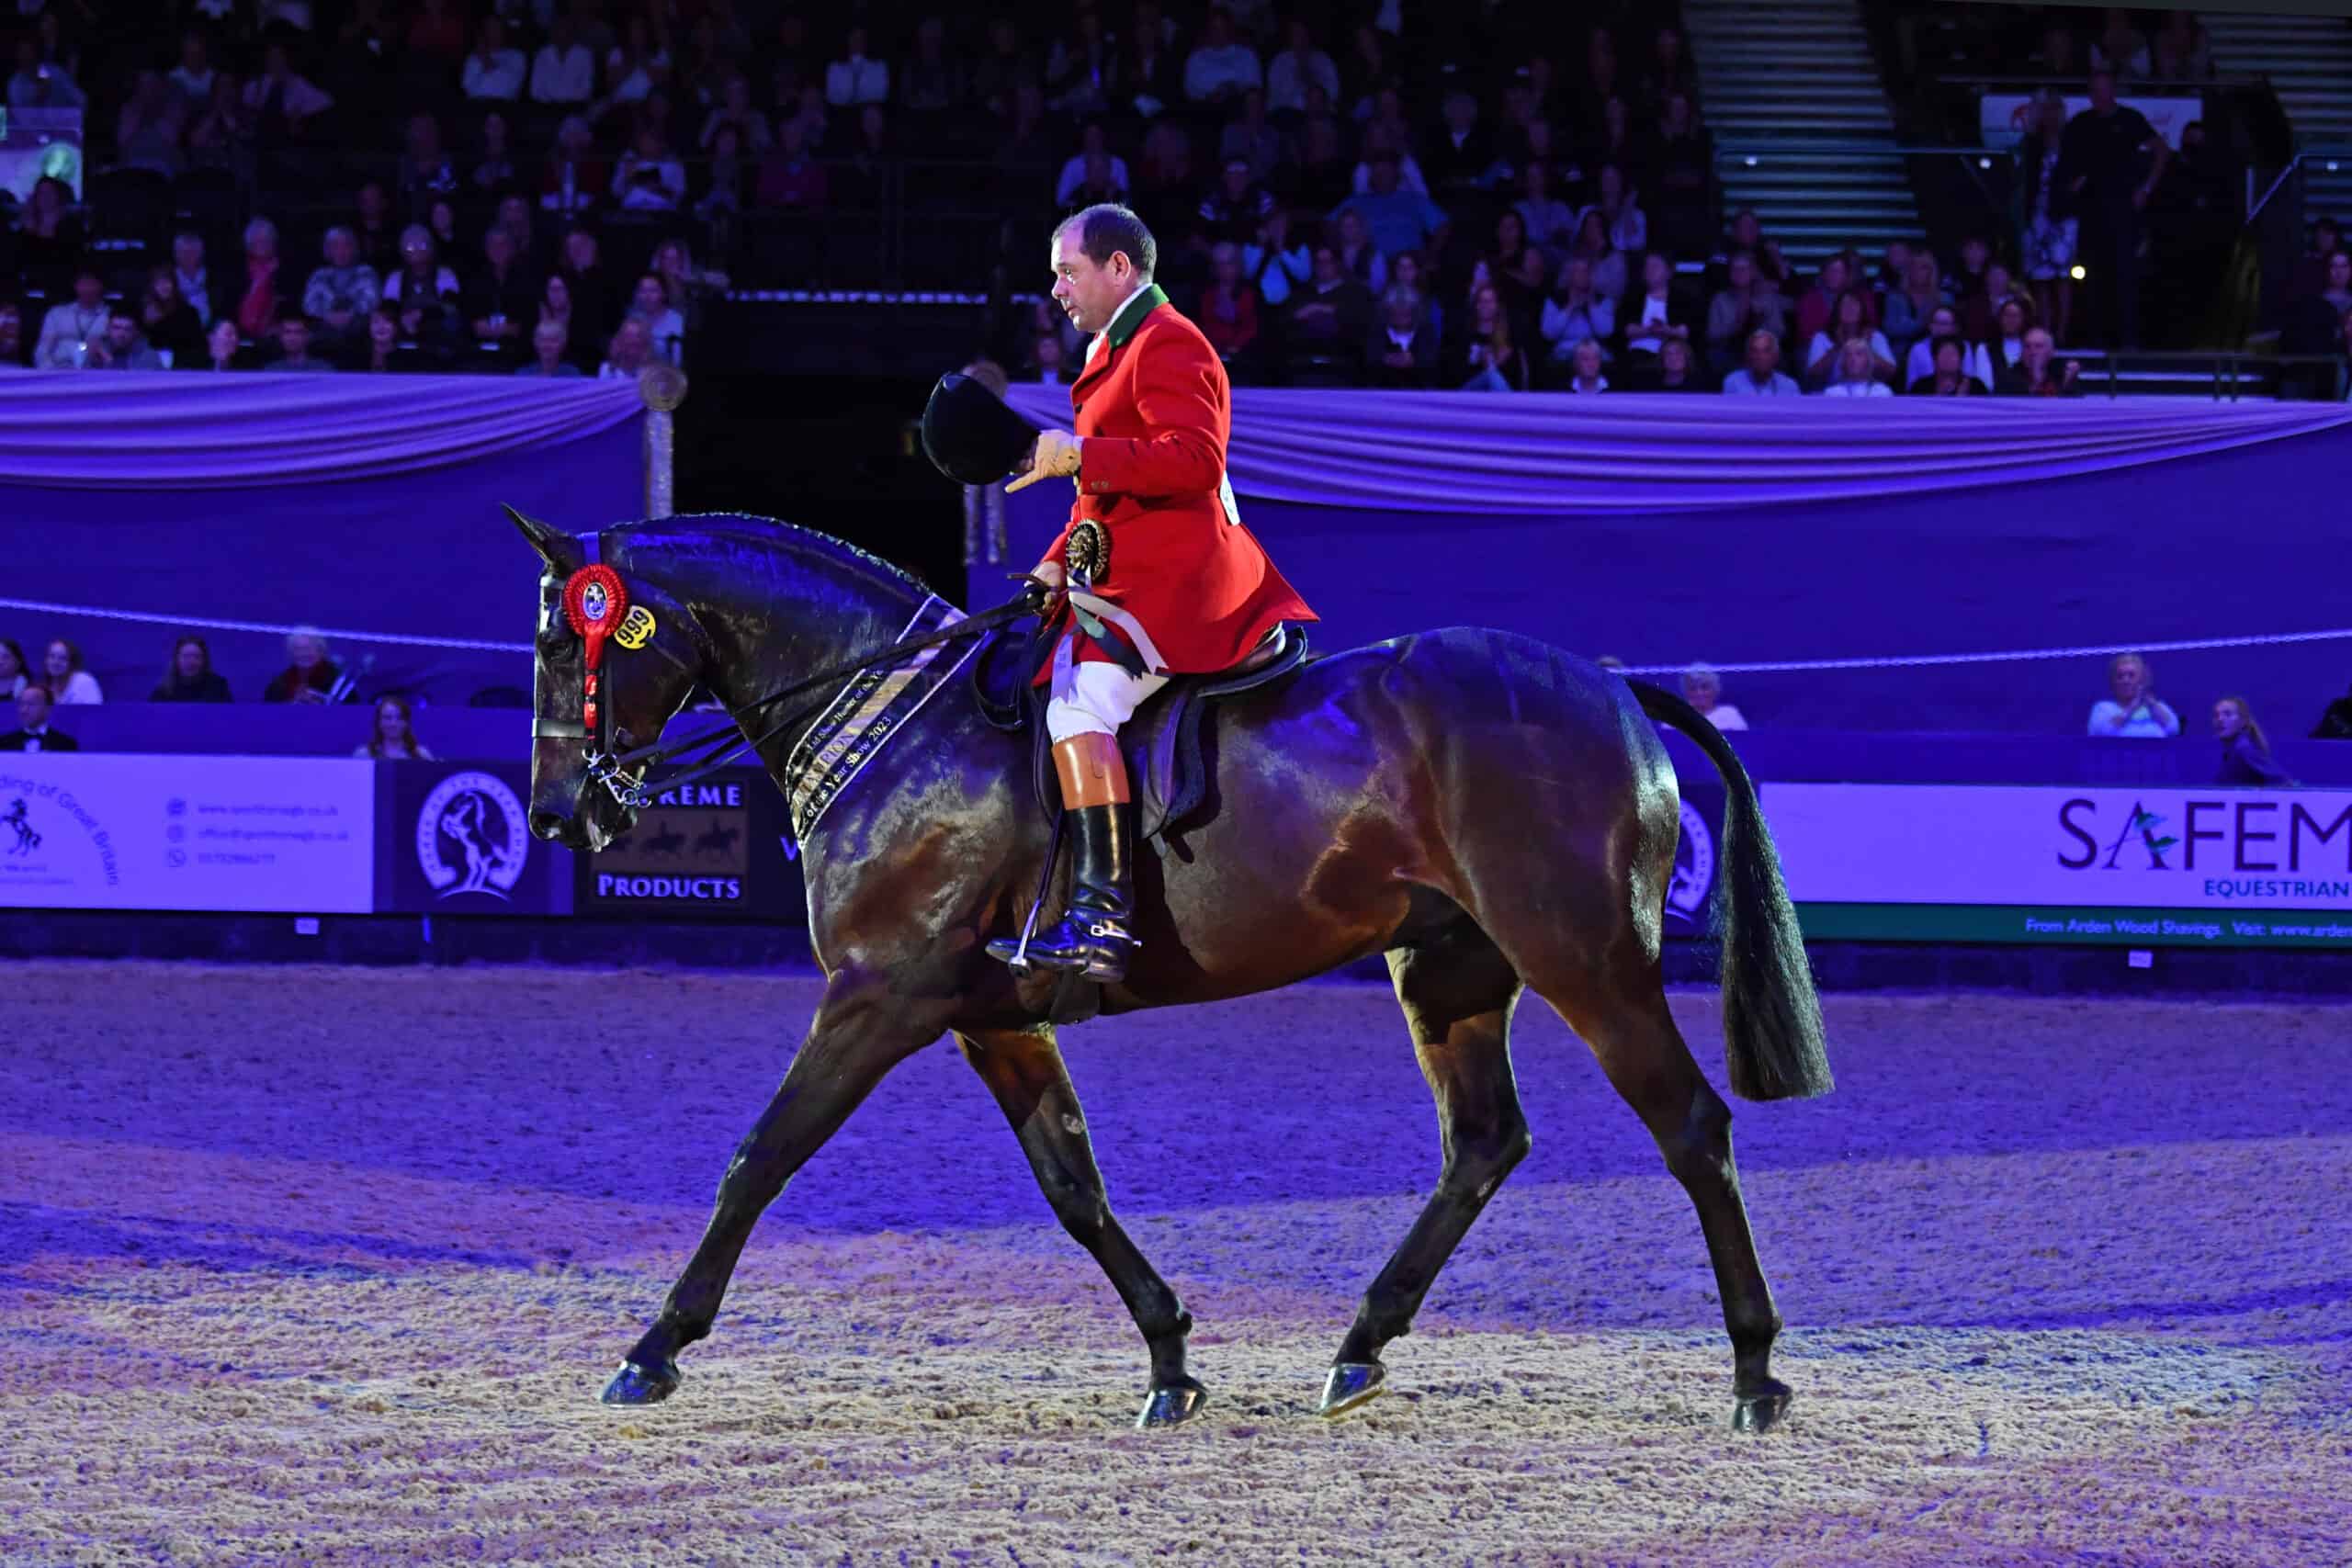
(595, 602)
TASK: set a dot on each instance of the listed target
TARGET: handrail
(2123, 87)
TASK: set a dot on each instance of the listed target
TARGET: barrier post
(663, 387)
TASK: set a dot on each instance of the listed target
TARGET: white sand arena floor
(322, 1265)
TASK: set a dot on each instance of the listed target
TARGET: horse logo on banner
(478, 816)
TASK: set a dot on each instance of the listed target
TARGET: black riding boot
(1095, 935)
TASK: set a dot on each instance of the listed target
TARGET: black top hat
(972, 435)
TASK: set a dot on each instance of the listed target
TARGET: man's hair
(1106, 229)
(46, 695)
(124, 311)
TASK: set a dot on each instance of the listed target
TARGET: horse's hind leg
(1633, 1034)
(1457, 991)
(1025, 1071)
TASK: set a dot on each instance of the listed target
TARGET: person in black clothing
(190, 677)
(32, 732)
(2100, 159)
(500, 304)
(2336, 724)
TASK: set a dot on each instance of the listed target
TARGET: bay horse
(1491, 814)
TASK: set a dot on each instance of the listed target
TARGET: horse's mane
(790, 537)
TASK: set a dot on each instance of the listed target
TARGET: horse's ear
(559, 549)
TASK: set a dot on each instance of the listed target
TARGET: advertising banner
(256, 834)
(713, 850)
(459, 841)
(2213, 866)
(2003, 119)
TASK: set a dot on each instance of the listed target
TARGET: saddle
(1166, 743)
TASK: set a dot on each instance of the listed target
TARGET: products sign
(710, 850)
(250, 834)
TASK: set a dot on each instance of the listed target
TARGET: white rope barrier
(207, 623)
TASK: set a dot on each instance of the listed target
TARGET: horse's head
(641, 682)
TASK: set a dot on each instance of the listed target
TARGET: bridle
(597, 587)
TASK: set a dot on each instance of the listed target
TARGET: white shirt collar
(1123, 306)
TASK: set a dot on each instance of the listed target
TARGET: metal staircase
(1779, 83)
(2309, 61)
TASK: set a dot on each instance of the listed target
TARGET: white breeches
(1090, 697)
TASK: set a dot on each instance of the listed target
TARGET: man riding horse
(1166, 580)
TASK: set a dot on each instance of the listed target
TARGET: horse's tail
(1773, 1040)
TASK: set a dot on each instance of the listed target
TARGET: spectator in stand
(2119, 50)
(686, 284)
(1761, 376)
(427, 292)
(2245, 753)
(2036, 375)
(1653, 313)
(1228, 316)
(1092, 142)
(1461, 148)
(1848, 324)
(1816, 303)
(1680, 173)
(2179, 50)
(665, 326)
(1629, 228)
(311, 677)
(1082, 69)
(1331, 316)
(855, 78)
(630, 353)
(1980, 312)
(1669, 73)
(1676, 371)
(498, 302)
(1943, 325)
(1250, 135)
(1703, 688)
(594, 308)
(1360, 255)
(2006, 347)
(1747, 233)
(426, 169)
(342, 294)
(13, 677)
(1222, 67)
(1323, 176)
(282, 102)
(1381, 135)
(494, 72)
(2103, 148)
(574, 178)
(189, 278)
(1299, 66)
(1909, 313)
(378, 237)
(1607, 263)
(1584, 369)
(383, 349)
(68, 329)
(67, 682)
(191, 79)
(12, 337)
(1857, 372)
(933, 86)
(549, 344)
(1399, 219)
(1483, 358)
(1273, 265)
(1405, 347)
(41, 83)
(394, 739)
(221, 136)
(1004, 68)
(1577, 312)
(1551, 223)
(637, 66)
(33, 732)
(1894, 272)
(222, 348)
(2317, 324)
(1949, 374)
(438, 31)
(1741, 307)
(735, 108)
(49, 233)
(124, 348)
(294, 345)
(789, 177)
(2133, 711)
(1151, 77)
(646, 179)
(189, 677)
(563, 72)
(2334, 720)
(147, 132)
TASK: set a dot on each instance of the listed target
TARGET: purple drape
(147, 430)
(1562, 456)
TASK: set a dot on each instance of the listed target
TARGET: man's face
(342, 249)
(549, 339)
(121, 333)
(649, 298)
(2102, 92)
(1763, 356)
(1833, 276)
(188, 253)
(1327, 265)
(302, 652)
(88, 292)
(630, 345)
(1088, 293)
(294, 337)
(1384, 176)
(2129, 679)
(222, 339)
(32, 707)
(499, 246)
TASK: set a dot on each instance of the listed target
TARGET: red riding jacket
(1153, 412)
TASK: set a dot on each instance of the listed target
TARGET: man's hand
(1055, 455)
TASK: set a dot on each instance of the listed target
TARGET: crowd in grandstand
(1507, 198)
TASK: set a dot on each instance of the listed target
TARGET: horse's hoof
(634, 1384)
(1171, 1404)
(1761, 1412)
(1351, 1384)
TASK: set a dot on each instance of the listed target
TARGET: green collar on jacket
(1122, 325)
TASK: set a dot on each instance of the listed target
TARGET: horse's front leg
(864, 1026)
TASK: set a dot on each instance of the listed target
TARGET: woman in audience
(1741, 306)
(2245, 754)
(49, 234)
(664, 326)
(687, 285)
(1358, 256)
(13, 673)
(1653, 316)
(1629, 229)
(1606, 262)
(1483, 359)
(424, 291)
(170, 322)
(1825, 356)
(1409, 271)
(2318, 318)
(2133, 711)
(1576, 311)
(190, 678)
(1675, 371)
(221, 347)
(1228, 313)
(1584, 369)
(1551, 223)
(63, 675)
(2052, 227)
(1908, 310)
(1944, 323)
(310, 673)
(1949, 375)
(1858, 371)
(2010, 323)
(394, 739)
